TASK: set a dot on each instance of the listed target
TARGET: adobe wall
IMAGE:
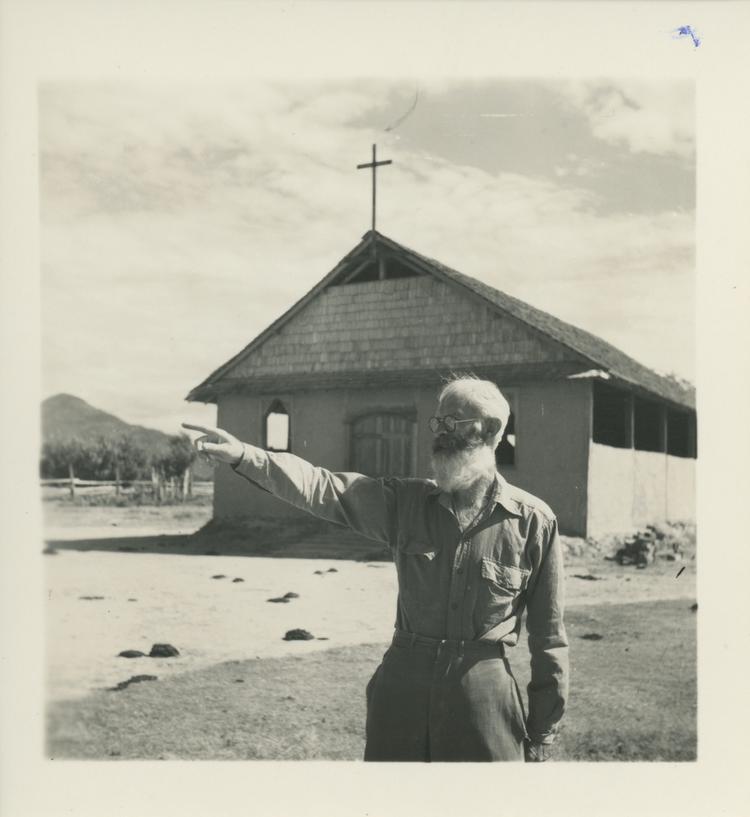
(552, 424)
(319, 434)
(629, 489)
(649, 487)
(681, 498)
(551, 456)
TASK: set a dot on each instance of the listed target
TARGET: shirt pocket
(500, 587)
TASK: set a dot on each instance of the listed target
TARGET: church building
(347, 378)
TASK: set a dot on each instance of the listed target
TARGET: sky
(178, 220)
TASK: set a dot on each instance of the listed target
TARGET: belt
(405, 639)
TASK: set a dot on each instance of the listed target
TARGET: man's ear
(492, 426)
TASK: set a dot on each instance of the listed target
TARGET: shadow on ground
(303, 539)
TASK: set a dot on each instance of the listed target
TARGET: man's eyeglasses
(449, 423)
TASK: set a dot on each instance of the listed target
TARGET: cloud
(552, 248)
(646, 117)
(178, 223)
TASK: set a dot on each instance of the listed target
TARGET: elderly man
(472, 552)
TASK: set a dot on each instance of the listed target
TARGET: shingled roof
(600, 355)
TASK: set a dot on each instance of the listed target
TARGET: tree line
(120, 459)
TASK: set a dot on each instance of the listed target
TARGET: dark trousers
(432, 700)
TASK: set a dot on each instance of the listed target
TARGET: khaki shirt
(473, 585)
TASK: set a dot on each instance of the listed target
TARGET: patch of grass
(138, 499)
(633, 697)
(132, 495)
(633, 693)
(283, 709)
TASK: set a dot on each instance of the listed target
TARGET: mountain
(65, 416)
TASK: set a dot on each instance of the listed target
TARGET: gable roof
(594, 353)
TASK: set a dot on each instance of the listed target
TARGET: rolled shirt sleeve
(548, 643)
(364, 504)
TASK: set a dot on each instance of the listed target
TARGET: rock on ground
(298, 635)
(163, 651)
(136, 679)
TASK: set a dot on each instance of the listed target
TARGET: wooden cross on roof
(374, 164)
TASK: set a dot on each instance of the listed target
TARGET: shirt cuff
(543, 739)
(252, 459)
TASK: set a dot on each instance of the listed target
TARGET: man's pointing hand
(218, 445)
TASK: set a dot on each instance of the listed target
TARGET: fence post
(156, 486)
(187, 483)
(117, 479)
(72, 476)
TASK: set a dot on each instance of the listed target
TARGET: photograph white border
(197, 41)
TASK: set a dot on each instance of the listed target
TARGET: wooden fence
(161, 487)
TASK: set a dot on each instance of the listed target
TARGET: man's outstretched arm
(359, 502)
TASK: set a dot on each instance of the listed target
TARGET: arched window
(276, 430)
(383, 445)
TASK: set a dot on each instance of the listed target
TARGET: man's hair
(484, 393)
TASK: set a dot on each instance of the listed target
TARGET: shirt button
(454, 606)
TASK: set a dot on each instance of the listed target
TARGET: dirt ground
(632, 697)
(66, 521)
(101, 602)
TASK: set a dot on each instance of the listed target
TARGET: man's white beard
(457, 470)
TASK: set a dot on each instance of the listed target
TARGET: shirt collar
(502, 495)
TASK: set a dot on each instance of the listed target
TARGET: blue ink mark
(687, 31)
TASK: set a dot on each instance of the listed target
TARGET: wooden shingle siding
(395, 324)
(356, 318)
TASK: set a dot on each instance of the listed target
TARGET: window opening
(648, 424)
(392, 268)
(611, 416)
(276, 428)
(680, 434)
(505, 453)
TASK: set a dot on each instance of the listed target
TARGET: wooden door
(383, 445)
